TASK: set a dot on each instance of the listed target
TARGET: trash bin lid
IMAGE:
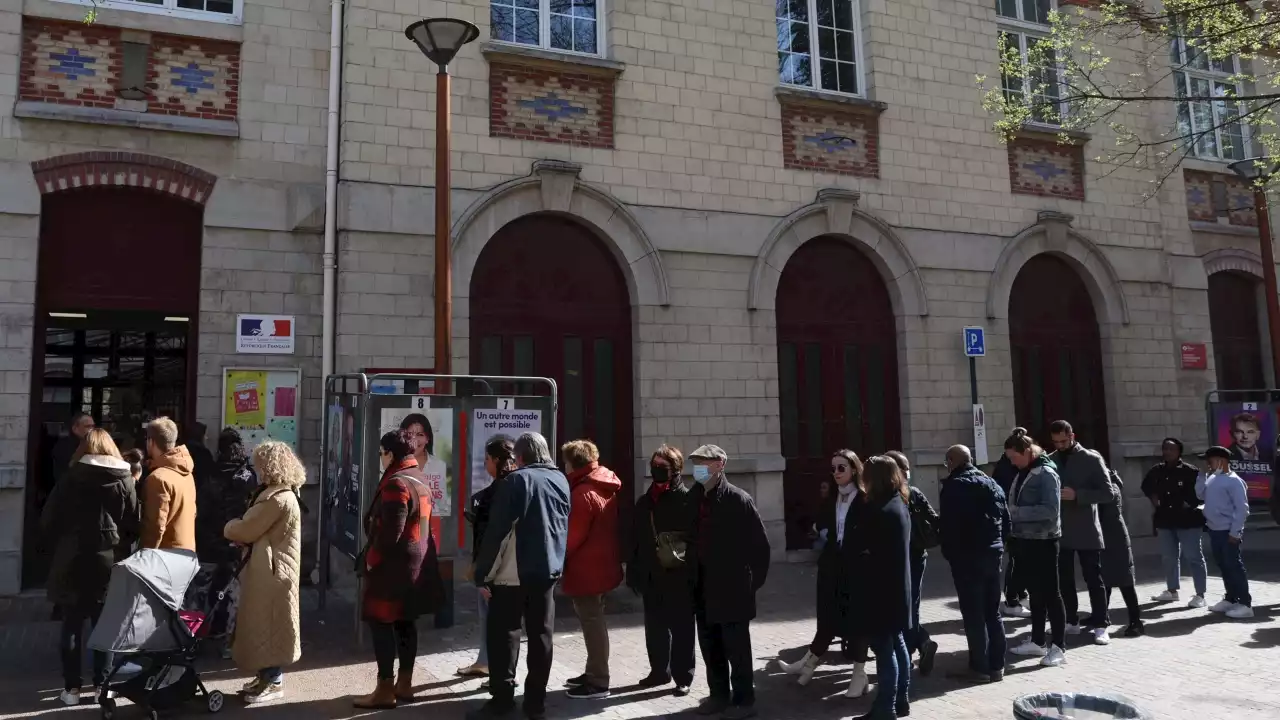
(1076, 706)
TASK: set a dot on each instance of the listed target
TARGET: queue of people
(105, 505)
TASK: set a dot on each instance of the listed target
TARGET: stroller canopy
(145, 594)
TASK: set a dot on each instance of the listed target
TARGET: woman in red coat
(401, 570)
(592, 560)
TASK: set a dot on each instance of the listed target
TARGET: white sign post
(979, 436)
(975, 346)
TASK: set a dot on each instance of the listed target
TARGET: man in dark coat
(974, 519)
(666, 507)
(1179, 523)
(1086, 483)
(732, 563)
(528, 528)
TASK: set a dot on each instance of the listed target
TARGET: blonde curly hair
(278, 465)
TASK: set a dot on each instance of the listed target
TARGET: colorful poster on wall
(485, 423)
(432, 432)
(262, 404)
(1248, 431)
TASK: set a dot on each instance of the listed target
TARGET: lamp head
(440, 39)
(1254, 169)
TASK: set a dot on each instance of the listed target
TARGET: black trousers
(535, 606)
(669, 633)
(1038, 565)
(855, 649)
(392, 640)
(977, 581)
(1014, 588)
(72, 646)
(1131, 603)
(1091, 568)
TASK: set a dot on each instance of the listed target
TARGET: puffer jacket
(91, 518)
(268, 621)
(224, 497)
(1035, 504)
(592, 558)
(169, 503)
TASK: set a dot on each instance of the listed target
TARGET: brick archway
(123, 169)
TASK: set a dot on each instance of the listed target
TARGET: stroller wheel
(215, 700)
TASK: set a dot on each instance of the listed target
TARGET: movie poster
(1248, 431)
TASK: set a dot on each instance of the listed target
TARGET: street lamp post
(440, 39)
(1256, 172)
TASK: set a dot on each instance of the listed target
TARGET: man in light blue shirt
(1226, 507)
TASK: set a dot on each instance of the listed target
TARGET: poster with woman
(431, 434)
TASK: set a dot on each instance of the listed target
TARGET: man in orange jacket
(592, 560)
(169, 492)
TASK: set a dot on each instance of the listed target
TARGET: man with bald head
(973, 518)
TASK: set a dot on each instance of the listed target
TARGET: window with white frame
(819, 44)
(1024, 28)
(226, 11)
(1213, 125)
(567, 25)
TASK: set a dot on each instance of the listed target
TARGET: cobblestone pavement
(1191, 664)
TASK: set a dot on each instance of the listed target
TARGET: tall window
(226, 11)
(818, 44)
(1213, 125)
(568, 25)
(1024, 28)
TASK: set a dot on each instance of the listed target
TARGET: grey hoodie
(1084, 471)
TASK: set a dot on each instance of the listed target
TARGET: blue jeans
(917, 636)
(1231, 565)
(978, 589)
(1183, 544)
(272, 675)
(893, 673)
(483, 657)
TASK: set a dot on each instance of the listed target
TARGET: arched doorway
(837, 370)
(1057, 352)
(549, 299)
(117, 303)
(1237, 335)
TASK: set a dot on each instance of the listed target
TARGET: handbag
(673, 548)
(924, 526)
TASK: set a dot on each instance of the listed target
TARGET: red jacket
(592, 561)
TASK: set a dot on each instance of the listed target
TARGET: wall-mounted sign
(1194, 356)
(265, 334)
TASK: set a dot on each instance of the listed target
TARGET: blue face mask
(701, 474)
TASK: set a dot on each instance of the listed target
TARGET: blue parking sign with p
(975, 342)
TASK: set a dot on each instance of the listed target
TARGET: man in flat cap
(732, 562)
(1226, 507)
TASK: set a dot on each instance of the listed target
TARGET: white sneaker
(1196, 602)
(1029, 649)
(266, 693)
(1222, 606)
(1016, 611)
(1167, 596)
(70, 697)
(1240, 612)
(1101, 637)
(1073, 629)
(1056, 657)
(858, 682)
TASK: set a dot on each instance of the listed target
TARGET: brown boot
(383, 697)
(404, 686)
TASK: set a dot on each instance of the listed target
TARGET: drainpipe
(331, 190)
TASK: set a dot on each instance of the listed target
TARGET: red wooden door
(1233, 322)
(548, 299)
(1057, 353)
(837, 368)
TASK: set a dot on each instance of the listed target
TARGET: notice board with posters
(262, 404)
(1248, 430)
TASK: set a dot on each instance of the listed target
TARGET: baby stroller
(154, 640)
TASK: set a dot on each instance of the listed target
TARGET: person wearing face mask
(660, 571)
(924, 535)
(499, 462)
(836, 580)
(732, 552)
(1226, 508)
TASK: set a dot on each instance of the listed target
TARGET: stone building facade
(760, 225)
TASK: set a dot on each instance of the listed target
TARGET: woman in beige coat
(267, 625)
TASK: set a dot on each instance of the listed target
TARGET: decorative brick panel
(1199, 188)
(831, 137)
(542, 101)
(78, 64)
(123, 169)
(69, 63)
(1046, 167)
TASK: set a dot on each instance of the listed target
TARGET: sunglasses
(839, 468)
